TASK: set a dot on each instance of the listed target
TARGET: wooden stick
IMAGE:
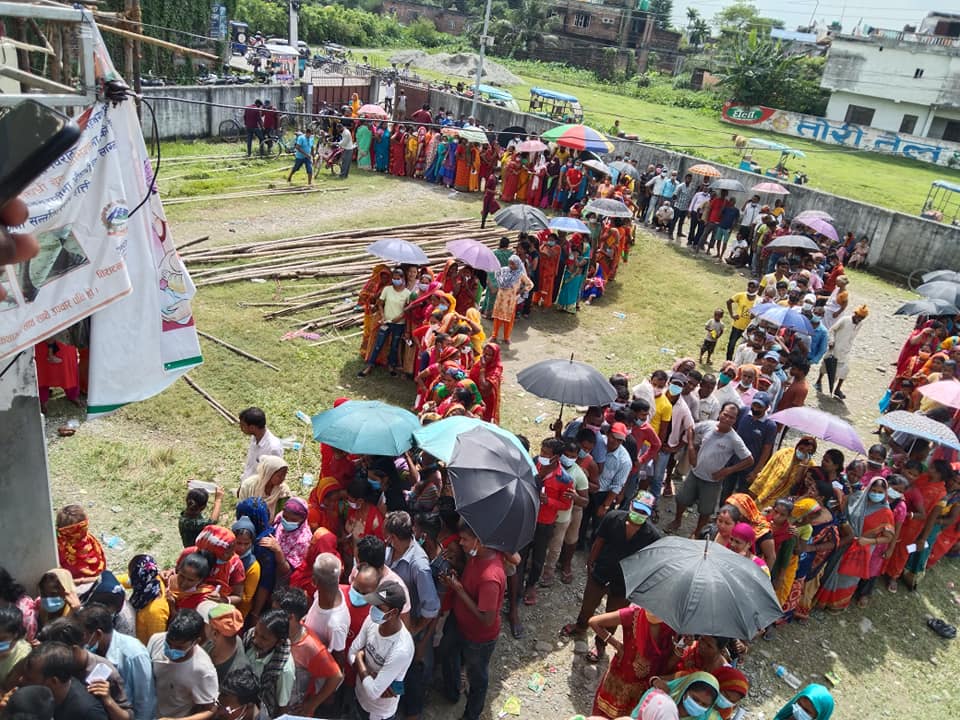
(193, 242)
(337, 338)
(159, 43)
(212, 400)
(238, 351)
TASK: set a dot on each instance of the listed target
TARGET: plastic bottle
(788, 677)
(540, 418)
(290, 443)
(114, 542)
(620, 315)
(308, 481)
(302, 417)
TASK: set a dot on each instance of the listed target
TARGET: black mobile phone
(32, 137)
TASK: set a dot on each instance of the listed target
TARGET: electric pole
(484, 39)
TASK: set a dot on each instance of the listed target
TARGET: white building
(900, 81)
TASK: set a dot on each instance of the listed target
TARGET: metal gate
(336, 90)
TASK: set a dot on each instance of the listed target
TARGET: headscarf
(477, 339)
(255, 508)
(495, 363)
(732, 680)
(216, 540)
(245, 524)
(744, 531)
(256, 485)
(680, 686)
(373, 286)
(107, 584)
(750, 513)
(656, 705)
(69, 590)
(145, 581)
(860, 505)
(861, 312)
(818, 695)
(323, 541)
(804, 506)
(79, 552)
(507, 277)
(293, 543)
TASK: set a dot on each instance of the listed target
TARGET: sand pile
(457, 64)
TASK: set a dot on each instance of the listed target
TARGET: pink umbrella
(474, 253)
(822, 425)
(945, 392)
(808, 214)
(770, 187)
(531, 146)
(373, 111)
(821, 226)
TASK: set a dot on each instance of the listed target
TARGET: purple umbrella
(821, 226)
(822, 425)
(474, 253)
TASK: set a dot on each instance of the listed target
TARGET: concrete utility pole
(293, 11)
(30, 544)
(484, 39)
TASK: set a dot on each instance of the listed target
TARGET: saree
(323, 511)
(364, 144)
(866, 518)
(433, 173)
(255, 486)
(930, 493)
(381, 149)
(780, 473)
(629, 674)
(678, 688)
(488, 374)
(449, 168)
(549, 266)
(322, 541)
(368, 298)
(785, 567)
(462, 177)
(809, 567)
(398, 146)
(918, 562)
(571, 283)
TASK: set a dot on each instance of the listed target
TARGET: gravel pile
(457, 64)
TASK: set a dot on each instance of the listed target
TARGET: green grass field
(895, 183)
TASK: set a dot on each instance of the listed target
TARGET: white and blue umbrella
(568, 224)
(397, 250)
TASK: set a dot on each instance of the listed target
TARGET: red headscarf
(80, 552)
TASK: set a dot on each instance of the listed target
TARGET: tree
(742, 17)
(757, 71)
(697, 32)
(531, 20)
(661, 10)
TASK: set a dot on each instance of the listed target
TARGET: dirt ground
(127, 469)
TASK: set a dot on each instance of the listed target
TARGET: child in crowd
(192, 520)
(714, 328)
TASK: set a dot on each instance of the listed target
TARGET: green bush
(424, 33)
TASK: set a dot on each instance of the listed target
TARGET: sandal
(566, 577)
(593, 656)
(516, 629)
(570, 630)
(892, 586)
(941, 628)
(530, 597)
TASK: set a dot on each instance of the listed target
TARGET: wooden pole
(238, 351)
(229, 416)
(159, 43)
(193, 242)
(135, 16)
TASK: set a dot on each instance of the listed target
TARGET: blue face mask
(567, 462)
(692, 708)
(581, 454)
(799, 713)
(723, 703)
(802, 455)
(356, 599)
(376, 615)
(375, 484)
(289, 525)
(247, 555)
(674, 389)
(94, 647)
(397, 282)
(877, 497)
(6, 645)
(442, 308)
(172, 653)
(52, 604)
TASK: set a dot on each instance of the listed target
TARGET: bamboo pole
(193, 242)
(238, 351)
(159, 43)
(229, 416)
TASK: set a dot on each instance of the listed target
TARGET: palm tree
(698, 31)
(531, 20)
(692, 16)
(758, 71)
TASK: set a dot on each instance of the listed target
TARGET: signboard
(218, 21)
(746, 115)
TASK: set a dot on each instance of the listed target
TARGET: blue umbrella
(568, 224)
(920, 426)
(439, 438)
(397, 250)
(788, 317)
(366, 427)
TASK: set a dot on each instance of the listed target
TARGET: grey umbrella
(794, 242)
(701, 587)
(568, 382)
(625, 168)
(727, 184)
(927, 306)
(942, 275)
(941, 289)
(607, 207)
(494, 489)
(521, 217)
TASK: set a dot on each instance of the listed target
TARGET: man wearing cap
(616, 470)
(840, 344)
(769, 363)
(621, 534)
(739, 306)
(681, 420)
(710, 448)
(223, 642)
(381, 654)
(758, 433)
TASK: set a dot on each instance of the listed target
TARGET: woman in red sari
(550, 251)
(608, 250)
(398, 149)
(926, 334)
(323, 541)
(924, 494)
(487, 373)
(646, 648)
(488, 160)
(461, 180)
(58, 365)
(511, 177)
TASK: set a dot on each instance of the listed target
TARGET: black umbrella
(568, 382)
(507, 134)
(494, 489)
(521, 217)
(699, 587)
(927, 306)
(942, 290)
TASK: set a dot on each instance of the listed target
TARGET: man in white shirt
(186, 679)
(696, 224)
(381, 654)
(709, 406)
(749, 216)
(840, 345)
(253, 422)
(656, 192)
(346, 144)
(329, 616)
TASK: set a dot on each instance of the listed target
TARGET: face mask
(800, 455)
(5, 645)
(289, 525)
(674, 389)
(544, 460)
(567, 462)
(723, 703)
(247, 555)
(758, 413)
(877, 497)
(799, 713)
(637, 518)
(581, 453)
(353, 505)
(442, 307)
(473, 552)
(375, 484)
(421, 540)
(423, 286)
(894, 494)
(397, 282)
(173, 654)
(53, 604)
(723, 379)
(692, 708)
(376, 615)
(221, 562)
(356, 599)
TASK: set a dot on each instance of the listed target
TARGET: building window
(951, 131)
(859, 115)
(581, 20)
(918, 73)
(908, 124)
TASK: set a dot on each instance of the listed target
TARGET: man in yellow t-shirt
(739, 308)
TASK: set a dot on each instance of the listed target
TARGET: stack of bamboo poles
(339, 256)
